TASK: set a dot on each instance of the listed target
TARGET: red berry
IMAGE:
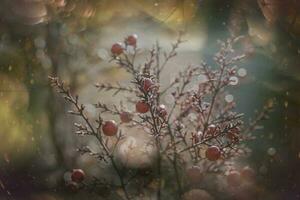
(131, 40)
(110, 128)
(213, 153)
(147, 84)
(117, 49)
(234, 178)
(142, 107)
(78, 175)
(126, 117)
(194, 174)
(72, 186)
(162, 111)
(248, 174)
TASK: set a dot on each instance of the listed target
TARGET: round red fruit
(147, 84)
(213, 153)
(142, 107)
(234, 178)
(131, 40)
(110, 128)
(126, 117)
(77, 175)
(117, 49)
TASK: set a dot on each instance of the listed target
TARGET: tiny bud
(162, 111)
(232, 72)
(197, 137)
(179, 125)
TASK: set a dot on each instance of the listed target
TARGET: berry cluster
(199, 126)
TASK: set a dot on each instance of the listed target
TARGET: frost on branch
(200, 128)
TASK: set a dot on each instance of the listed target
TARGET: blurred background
(72, 39)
